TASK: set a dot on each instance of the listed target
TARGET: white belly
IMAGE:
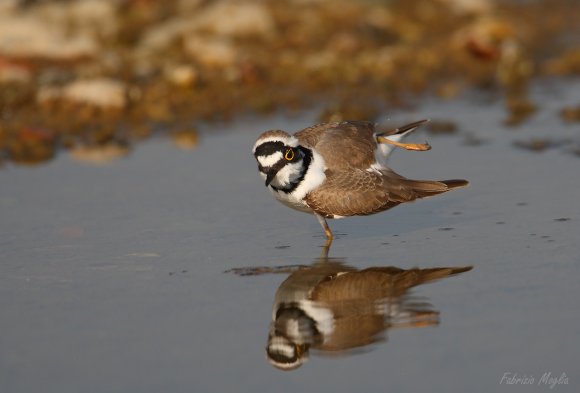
(292, 203)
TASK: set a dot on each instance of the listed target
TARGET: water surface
(112, 277)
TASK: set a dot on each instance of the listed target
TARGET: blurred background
(141, 252)
(97, 76)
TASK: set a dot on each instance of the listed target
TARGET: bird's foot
(406, 146)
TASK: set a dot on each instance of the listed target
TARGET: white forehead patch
(288, 141)
(270, 160)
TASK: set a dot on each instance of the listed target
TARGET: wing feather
(352, 191)
(352, 187)
(348, 144)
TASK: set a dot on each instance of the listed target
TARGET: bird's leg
(325, 249)
(329, 235)
(407, 146)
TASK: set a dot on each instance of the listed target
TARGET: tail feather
(455, 183)
(416, 276)
(427, 188)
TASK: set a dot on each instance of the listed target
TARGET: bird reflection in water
(334, 308)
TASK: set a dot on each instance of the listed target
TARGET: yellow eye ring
(289, 156)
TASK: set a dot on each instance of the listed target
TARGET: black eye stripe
(268, 148)
(306, 157)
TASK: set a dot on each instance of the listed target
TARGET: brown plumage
(339, 169)
(343, 145)
(356, 306)
(375, 283)
(348, 149)
(358, 192)
(354, 297)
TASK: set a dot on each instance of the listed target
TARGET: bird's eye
(289, 155)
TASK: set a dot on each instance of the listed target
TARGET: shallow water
(112, 277)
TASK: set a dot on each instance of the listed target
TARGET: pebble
(212, 52)
(98, 92)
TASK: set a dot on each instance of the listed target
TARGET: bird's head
(281, 161)
(291, 335)
(284, 354)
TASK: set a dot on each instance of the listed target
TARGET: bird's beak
(272, 172)
(269, 177)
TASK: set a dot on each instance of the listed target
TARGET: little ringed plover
(339, 169)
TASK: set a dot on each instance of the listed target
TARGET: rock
(99, 92)
(571, 114)
(32, 146)
(227, 19)
(469, 7)
(211, 52)
(187, 6)
(27, 36)
(99, 155)
(160, 36)
(8, 6)
(91, 17)
(536, 144)
(186, 139)
(520, 109)
(56, 30)
(484, 38)
(237, 19)
(14, 73)
(181, 75)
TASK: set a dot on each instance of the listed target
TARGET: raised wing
(348, 144)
